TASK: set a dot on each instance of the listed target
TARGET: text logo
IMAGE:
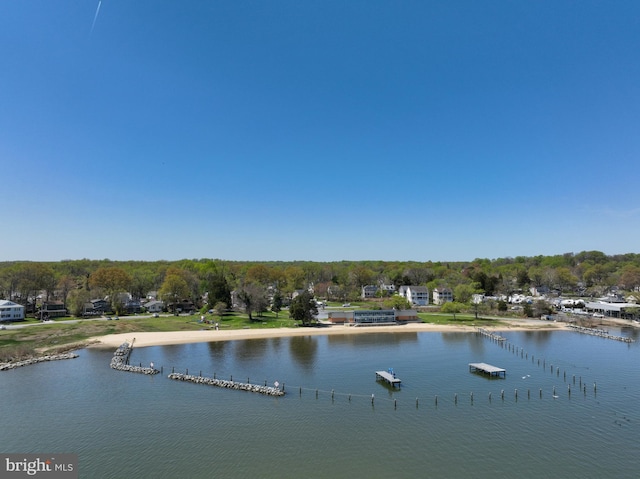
(48, 466)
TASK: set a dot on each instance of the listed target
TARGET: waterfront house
(154, 306)
(10, 311)
(369, 291)
(416, 295)
(52, 309)
(442, 295)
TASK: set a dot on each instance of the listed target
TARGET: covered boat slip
(487, 369)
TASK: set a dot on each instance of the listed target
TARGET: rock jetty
(601, 333)
(40, 359)
(254, 388)
(120, 358)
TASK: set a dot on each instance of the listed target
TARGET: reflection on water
(303, 351)
(369, 339)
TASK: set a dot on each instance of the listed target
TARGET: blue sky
(318, 130)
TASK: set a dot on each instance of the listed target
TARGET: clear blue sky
(318, 130)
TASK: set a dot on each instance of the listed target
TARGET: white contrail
(96, 16)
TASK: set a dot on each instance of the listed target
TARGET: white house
(416, 295)
(10, 311)
(154, 306)
(442, 295)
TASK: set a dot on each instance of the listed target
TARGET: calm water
(129, 425)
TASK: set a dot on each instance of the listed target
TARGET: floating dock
(487, 369)
(388, 377)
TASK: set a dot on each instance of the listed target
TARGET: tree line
(210, 282)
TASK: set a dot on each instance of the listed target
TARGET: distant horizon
(206, 258)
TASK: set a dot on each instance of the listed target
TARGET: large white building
(416, 295)
(10, 311)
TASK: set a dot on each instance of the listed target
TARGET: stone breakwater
(601, 333)
(255, 388)
(41, 359)
(119, 361)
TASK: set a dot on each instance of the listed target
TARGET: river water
(568, 407)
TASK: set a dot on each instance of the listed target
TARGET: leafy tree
(253, 298)
(566, 279)
(33, 277)
(303, 308)
(397, 302)
(76, 300)
(295, 277)
(258, 273)
(464, 292)
(541, 307)
(630, 277)
(113, 280)
(66, 284)
(452, 307)
(276, 303)
(361, 276)
(528, 310)
(220, 308)
(218, 288)
(174, 288)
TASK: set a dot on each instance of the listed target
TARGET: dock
(487, 369)
(388, 377)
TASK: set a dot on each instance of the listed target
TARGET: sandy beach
(143, 339)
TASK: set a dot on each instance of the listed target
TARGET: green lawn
(461, 319)
(22, 342)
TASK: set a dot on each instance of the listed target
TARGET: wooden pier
(487, 369)
(388, 377)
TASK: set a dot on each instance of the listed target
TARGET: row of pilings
(120, 361)
(39, 359)
(490, 335)
(223, 383)
(601, 333)
(519, 351)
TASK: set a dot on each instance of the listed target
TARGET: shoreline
(166, 338)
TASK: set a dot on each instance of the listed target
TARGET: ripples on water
(128, 425)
